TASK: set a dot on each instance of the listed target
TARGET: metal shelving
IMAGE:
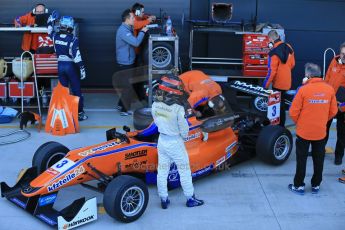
(152, 71)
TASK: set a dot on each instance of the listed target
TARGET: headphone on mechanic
(137, 9)
(138, 12)
(40, 4)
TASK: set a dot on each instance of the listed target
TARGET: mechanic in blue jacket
(71, 68)
(126, 43)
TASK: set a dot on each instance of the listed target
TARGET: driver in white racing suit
(169, 116)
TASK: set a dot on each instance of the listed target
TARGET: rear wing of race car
(80, 212)
(273, 98)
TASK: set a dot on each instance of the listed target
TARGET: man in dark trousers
(336, 78)
(280, 63)
(313, 106)
(126, 43)
(71, 68)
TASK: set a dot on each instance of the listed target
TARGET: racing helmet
(218, 104)
(66, 24)
(170, 91)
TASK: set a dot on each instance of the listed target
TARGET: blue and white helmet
(66, 23)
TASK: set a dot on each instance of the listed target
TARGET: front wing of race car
(79, 212)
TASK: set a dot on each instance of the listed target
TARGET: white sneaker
(124, 114)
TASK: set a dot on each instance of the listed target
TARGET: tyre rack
(151, 70)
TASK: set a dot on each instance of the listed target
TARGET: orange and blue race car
(127, 162)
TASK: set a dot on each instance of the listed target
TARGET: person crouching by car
(169, 116)
(71, 67)
(313, 106)
(205, 95)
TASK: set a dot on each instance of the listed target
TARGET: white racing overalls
(173, 127)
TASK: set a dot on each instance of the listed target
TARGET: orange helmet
(171, 85)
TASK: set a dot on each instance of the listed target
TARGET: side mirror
(110, 134)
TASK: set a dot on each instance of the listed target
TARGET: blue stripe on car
(104, 154)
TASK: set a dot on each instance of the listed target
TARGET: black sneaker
(315, 189)
(338, 160)
(165, 203)
(82, 116)
(298, 190)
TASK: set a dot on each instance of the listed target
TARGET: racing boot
(82, 116)
(193, 202)
(165, 203)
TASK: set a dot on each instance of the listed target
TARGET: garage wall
(99, 22)
(311, 26)
(310, 35)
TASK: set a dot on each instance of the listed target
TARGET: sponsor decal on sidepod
(192, 137)
(136, 154)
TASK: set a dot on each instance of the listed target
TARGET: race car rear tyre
(142, 118)
(125, 198)
(274, 144)
(48, 154)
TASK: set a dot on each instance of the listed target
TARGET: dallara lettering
(66, 179)
(252, 87)
(136, 154)
(79, 222)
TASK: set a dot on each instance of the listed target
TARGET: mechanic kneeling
(205, 95)
(169, 116)
(313, 106)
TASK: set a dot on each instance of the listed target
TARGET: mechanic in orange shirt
(335, 76)
(140, 21)
(313, 106)
(36, 17)
(280, 63)
(204, 93)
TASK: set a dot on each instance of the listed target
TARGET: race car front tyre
(142, 118)
(125, 198)
(48, 154)
(274, 144)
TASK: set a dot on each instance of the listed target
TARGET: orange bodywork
(62, 115)
(206, 152)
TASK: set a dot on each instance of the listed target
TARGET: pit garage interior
(252, 194)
